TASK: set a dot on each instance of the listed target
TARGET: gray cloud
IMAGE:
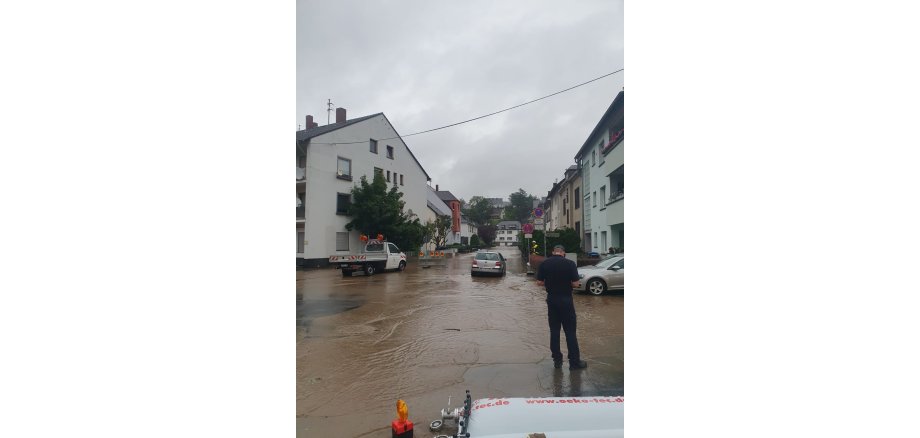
(426, 64)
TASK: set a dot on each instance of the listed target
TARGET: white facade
(323, 180)
(467, 230)
(507, 232)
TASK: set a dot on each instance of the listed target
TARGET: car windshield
(487, 256)
(606, 263)
(374, 247)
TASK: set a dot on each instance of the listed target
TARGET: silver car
(604, 276)
(488, 262)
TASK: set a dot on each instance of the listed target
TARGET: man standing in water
(559, 275)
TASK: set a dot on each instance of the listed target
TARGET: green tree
(478, 210)
(474, 240)
(440, 230)
(521, 206)
(375, 209)
(567, 238)
(487, 234)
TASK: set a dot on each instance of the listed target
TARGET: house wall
(322, 185)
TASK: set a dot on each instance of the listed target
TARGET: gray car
(488, 262)
(604, 276)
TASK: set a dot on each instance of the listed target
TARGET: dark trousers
(561, 312)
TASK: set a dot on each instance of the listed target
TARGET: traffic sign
(528, 236)
(527, 228)
(538, 221)
(538, 212)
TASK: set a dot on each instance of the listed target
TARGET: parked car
(605, 276)
(488, 262)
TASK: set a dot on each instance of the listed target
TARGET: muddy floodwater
(428, 333)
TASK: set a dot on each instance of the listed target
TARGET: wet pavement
(428, 333)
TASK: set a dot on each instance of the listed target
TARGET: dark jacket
(558, 273)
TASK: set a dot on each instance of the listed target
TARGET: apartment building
(331, 160)
(600, 160)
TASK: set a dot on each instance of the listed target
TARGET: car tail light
(498, 263)
(474, 264)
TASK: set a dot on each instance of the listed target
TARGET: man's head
(559, 250)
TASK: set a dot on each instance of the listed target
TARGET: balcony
(615, 139)
(301, 212)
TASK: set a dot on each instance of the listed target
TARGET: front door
(393, 258)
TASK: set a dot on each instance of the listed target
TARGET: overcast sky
(429, 63)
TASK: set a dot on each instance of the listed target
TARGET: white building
(601, 162)
(467, 230)
(331, 160)
(506, 233)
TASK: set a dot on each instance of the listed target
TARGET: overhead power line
(486, 115)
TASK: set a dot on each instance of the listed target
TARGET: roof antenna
(328, 110)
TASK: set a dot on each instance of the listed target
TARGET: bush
(474, 240)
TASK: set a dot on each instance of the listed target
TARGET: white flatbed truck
(378, 255)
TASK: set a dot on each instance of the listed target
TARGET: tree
(568, 238)
(487, 234)
(376, 210)
(478, 210)
(521, 206)
(440, 229)
(474, 240)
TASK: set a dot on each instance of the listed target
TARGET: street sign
(528, 236)
(527, 228)
(552, 234)
(538, 221)
(538, 212)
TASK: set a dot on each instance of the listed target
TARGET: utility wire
(487, 115)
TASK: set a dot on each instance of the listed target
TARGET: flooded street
(428, 333)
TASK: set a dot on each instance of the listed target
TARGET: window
(344, 169)
(342, 201)
(603, 239)
(593, 154)
(341, 241)
(594, 197)
(603, 194)
(373, 145)
(595, 240)
(600, 151)
(378, 170)
(401, 182)
(394, 179)
(578, 228)
(388, 176)
(619, 264)
(301, 161)
(393, 248)
(577, 198)
(616, 183)
(390, 152)
(300, 239)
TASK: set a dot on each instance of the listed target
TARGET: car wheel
(472, 274)
(596, 286)
(369, 269)
(402, 266)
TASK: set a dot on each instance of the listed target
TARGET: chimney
(340, 115)
(309, 122)
(436, 188)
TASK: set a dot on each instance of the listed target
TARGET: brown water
(425, 334)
